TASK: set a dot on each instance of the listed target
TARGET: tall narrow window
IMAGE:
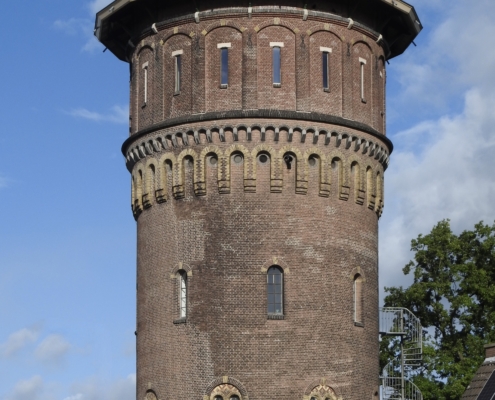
(325, 67)
(145, 83)
(358, 299)
(275, 279)
(224, 64)
(183, 294)
(224, 78)
(178, 67)
(362, 63)
(276, 63)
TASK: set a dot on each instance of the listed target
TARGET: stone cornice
(260, 113)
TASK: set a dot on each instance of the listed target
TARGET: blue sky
(67, 237)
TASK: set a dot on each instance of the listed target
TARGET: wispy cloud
(82, 27)
(52, 350)
(73, 26)
(443, 170)
(18, 340)
(95, 389)
(117, 114)
(3, 181)
(434, 75)
(442, 166)
(29, 389)
(97, 5)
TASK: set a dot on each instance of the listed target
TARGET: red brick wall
(317, 222)
(250, 70)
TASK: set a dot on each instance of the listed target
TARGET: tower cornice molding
(260, 113)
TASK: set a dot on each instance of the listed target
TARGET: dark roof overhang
(119, 25)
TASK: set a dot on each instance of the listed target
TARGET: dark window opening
(275, 290)
(276, 66)
(178, 67)
(325, 70)
(224, 66)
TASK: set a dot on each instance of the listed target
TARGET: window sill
(275, 316)
(360, 324)
(277, 85)
(326, 90)
(176, 93)
(180, 320)
(224, 86)
(363, 101)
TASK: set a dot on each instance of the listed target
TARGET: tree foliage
(453, 294)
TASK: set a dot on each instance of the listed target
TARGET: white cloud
(80, 26)
(95, 389)
(97, 5)
(445, 170)
(455, 57)
(29, 389)
(3, 181)
(78, 396)
(442, 165)
(118, 115)
(18, 340)
(73, 26)
(52, 349)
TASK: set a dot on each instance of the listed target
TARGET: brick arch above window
(357, 271)
(275, 22)
(209, 393)
(181, 267)
(275, 260)
(151, 395)
(322, 386)
(221, 23)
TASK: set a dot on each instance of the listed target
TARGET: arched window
(358, 299)
(275, 290)
(218, 398)
(182, 294)
(234, 397)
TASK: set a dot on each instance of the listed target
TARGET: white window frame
(182, 294)
(223, 46)
(177, 73)
(362, 63)
(280, 45)
(145, 94)
(327, 50)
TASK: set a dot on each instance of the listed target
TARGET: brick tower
(257, 150)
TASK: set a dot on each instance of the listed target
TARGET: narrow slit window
(276, 66)
(275, 282)
(362, 63)
(224, 66)
(325, 67)
(145, 83)
(182, 294)
(358, 299)
(178, 72)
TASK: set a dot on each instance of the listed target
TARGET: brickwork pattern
(225, 220)
(250, 70)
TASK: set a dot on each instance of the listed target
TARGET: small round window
(237, 158)
(263, 158)
(312, 161)
(213, 160)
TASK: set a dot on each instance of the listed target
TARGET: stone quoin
(257, 150)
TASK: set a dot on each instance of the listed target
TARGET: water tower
(257, 150)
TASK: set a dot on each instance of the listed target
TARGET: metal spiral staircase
(402, 324)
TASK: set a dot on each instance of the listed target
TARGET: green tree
(453, 294)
